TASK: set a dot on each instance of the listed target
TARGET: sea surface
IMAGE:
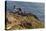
(32, 7)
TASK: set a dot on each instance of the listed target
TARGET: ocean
(34, 7)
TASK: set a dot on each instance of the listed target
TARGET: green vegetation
(23, 22)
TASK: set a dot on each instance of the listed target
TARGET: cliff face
(15, 21)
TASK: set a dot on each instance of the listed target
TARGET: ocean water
(33, 7)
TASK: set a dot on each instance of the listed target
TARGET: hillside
(15, 21)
